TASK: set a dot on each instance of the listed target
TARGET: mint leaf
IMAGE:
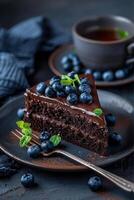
(77, 78)
(24, 140)
(122, 34)
(27, 131)
(26, 125)
(20, 124)
(55, 139)
(98, 111)
(66, 80)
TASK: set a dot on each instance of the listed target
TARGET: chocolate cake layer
(78, 136)
(77, 124)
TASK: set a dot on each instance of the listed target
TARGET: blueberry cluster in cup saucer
(74, 89)
(72, 62)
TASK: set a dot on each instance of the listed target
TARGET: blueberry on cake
(68, 105)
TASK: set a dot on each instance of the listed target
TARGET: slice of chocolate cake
(69, 106)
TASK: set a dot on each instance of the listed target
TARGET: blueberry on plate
(57, 87)
(115, 138)
(72, 99)
(61, 94)
(27, 180)
(72, 56)
(108, 76)
(87, 71)
(70, 89)
(67, 67)
(120, 74)
(110, 119)
(95, 183)
(65, 59)
(54, 79)
(20, 113)
(97, 75)
(40, 88)
(75, 61)
(85, 98)
(49, 92)
(77, 69)
(44, 135)
(84, 88)
(84, 81)
(47, 146)
(34, 151)
(71, 74)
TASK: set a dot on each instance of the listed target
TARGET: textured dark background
(59, 186)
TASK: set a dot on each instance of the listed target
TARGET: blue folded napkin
(18, 46)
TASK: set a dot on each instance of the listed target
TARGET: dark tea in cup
(106, 34)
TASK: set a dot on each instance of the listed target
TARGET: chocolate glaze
(77, 108)
(44, 112)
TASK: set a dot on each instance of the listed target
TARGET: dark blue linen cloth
(18, 46)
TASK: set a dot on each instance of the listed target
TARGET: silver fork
(121, 182)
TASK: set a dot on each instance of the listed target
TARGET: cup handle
(130, 50)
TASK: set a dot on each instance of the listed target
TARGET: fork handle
(121, 182)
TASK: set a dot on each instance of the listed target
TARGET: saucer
(56, 67)
(111, 103)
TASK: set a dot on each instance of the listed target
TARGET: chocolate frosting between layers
(86, 109)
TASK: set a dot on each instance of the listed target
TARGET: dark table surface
(69, 186)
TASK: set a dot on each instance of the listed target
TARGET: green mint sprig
(98, 111)
(55, 139)
(26, 131)
(66, 80)
(122, 34)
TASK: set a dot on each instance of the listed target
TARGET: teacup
(104, 55)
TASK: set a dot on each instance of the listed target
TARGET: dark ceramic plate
(122, 109)
(56, 67)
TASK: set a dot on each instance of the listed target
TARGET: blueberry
(120, 74)
(72, 98)
(88, 71)
(27, 180)
(50, 92)
(77, 69)
(61, 94)
(44, 135)
(67, 67)
(20, 113)
(72, 56)
(57, 87)
(97, 75)
(47, 146)
(40, 88)
(71, 74)
(84, 88)
(95, 183)
(85, 98)
(34, 151)
(54, 79)
(65, 60)
(70, 89)
(75, 61)
(108, 76)
(6, 171)
(115, 138)
(110, 119)
(84, 81)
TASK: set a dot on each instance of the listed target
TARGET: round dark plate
(122, 109)
(56, 67)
